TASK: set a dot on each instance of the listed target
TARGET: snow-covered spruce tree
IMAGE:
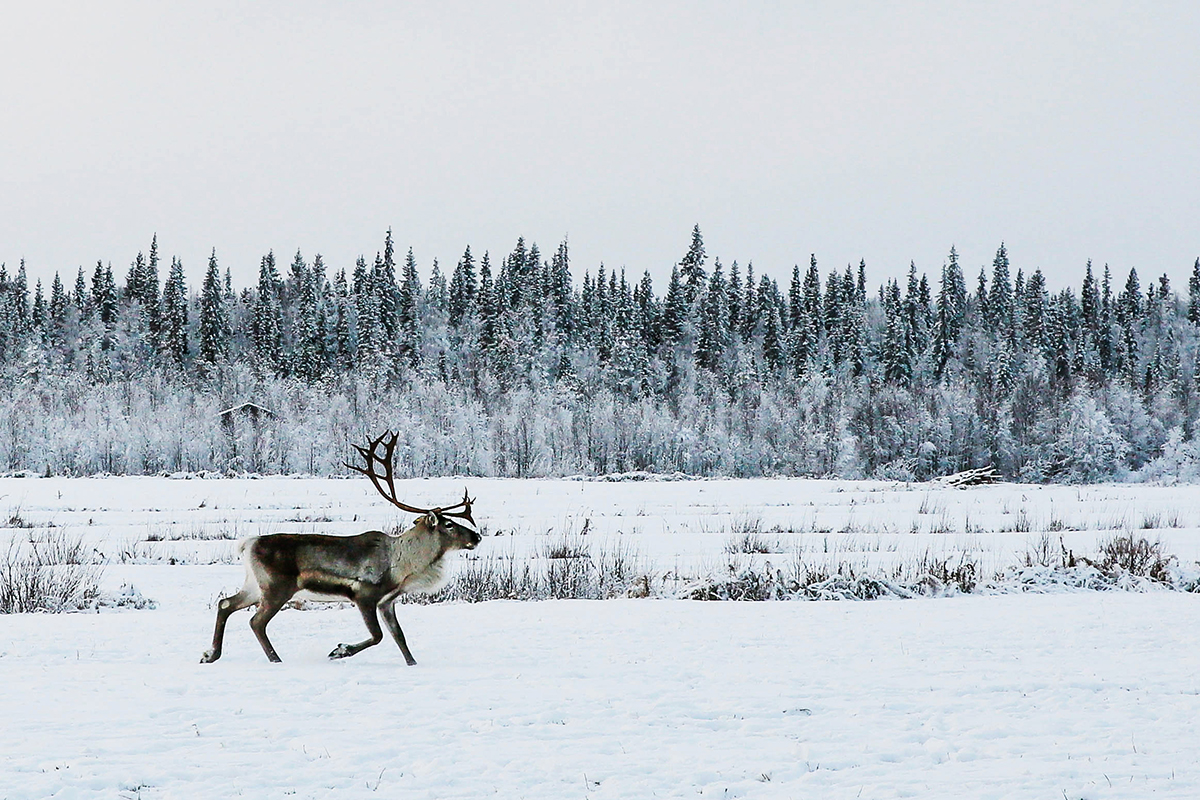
(675, 311)
(341, 348)
(487, 308)
(57, 311)
(267, 316)
(770, 330)
(832, 311)
(306, 354)
(896, 353)
(1000, 295)
(805, 333)
(151, 298)
(79, 294)
(408, 331)
(368, 332)
(214, 333)
(38, 314)
(950, 313)
(141, 287)
(853, 320)
(558, 289)
(173, 339)
(463, 288)
(747, 304)
(691, 268)
(648, 315)
(714, 321)
(388, 292)
(513, 279)
(1034, 310)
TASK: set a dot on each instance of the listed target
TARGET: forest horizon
(510, 368)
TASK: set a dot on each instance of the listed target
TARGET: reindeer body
(343, 567)
(370, 569)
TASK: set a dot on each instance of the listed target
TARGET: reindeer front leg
(388, 607)
(366, 607)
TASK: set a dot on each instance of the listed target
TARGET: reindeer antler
(464, 504)
(372, 456)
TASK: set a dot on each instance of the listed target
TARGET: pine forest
(509, 366)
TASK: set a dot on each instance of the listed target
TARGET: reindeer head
(453, 534)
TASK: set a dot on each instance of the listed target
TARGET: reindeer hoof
(341, 651)
(209, 656)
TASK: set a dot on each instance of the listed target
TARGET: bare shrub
(171, 533)
(16, 519)
(1136, 556)
(741, 582)
(568, 570)
(55, 547)
(568, 546)
(751, 543)
(640, 587)
(1046, 553)
(568, 578)
(309, 518)
(943, 525)
(1020, 524)
(487, 578)
(837, 578)
(618, 573)
(810, 572)
(961, 572)
(745, 524)
(172, 552)
(51, 572)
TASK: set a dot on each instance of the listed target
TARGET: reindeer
(371, 569)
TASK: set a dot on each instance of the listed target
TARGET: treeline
(511, 368)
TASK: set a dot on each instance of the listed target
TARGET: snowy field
(1069, 694)
(669, 524)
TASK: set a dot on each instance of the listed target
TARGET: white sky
(885, 131)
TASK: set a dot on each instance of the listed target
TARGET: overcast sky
(884, 131)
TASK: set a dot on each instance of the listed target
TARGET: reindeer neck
(419, 544)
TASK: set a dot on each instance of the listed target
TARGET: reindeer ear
(431, 520)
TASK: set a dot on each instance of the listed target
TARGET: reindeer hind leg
(272, 600)
(248, 596)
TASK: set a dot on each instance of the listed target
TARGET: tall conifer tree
(173, 332)
(214, 316)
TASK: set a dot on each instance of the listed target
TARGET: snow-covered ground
(1088, 694)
